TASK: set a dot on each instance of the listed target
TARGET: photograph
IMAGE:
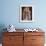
(26, 13)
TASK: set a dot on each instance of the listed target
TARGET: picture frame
(26, 13)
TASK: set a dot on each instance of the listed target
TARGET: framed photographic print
(26, 13)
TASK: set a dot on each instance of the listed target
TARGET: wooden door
(13, 39)
(34, 39)
(37, 40)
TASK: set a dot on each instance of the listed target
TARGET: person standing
(26, 14)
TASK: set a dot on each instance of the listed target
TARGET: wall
(10, 12)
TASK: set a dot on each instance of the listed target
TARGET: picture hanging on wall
(26, 13)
